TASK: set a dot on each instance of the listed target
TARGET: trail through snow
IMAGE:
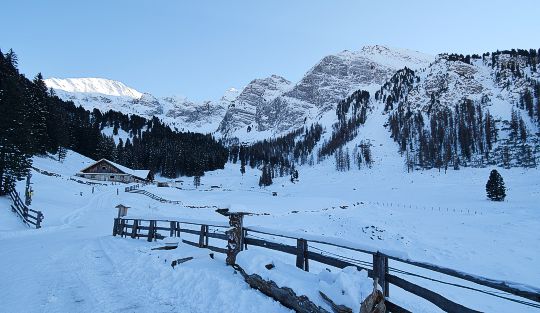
(80, 267)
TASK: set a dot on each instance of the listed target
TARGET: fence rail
(28, 216)
(377, 268)
(135, 189)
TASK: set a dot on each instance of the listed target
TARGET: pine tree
(495, 189)
(266, 176)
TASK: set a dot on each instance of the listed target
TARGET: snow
(347, 286)
(74, 264)
(93, 85)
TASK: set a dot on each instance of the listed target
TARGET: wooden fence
(377, 268)
(135, 189)
(29, 216)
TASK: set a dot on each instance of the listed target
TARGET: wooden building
(106, 170)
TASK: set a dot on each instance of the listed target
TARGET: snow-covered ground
(73, 264)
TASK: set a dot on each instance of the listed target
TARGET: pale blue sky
(201, 48)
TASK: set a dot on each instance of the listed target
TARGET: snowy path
(80, 267)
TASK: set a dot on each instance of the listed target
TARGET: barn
(106, 170)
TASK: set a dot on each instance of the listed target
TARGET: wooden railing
(29, 216)
(149, 229)
(131, 188)
(306, 251)
(135, 189)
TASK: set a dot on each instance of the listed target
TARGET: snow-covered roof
(143, 174)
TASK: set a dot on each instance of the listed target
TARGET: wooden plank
(431, 296)
(31, 222)
(394, 308)
(212, 248)
(271, 245)
(191, 231)
(499, 285)
(32, 217)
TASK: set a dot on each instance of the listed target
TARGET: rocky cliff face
(245, 113)
(333, 79)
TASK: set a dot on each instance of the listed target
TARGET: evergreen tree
(266, 176)
(495, 189)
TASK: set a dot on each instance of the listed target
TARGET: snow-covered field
(73, 264)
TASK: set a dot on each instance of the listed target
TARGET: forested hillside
(33, 121)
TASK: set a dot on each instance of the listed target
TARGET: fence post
(134, 228)
(178, 230)
(301, 254)
(115, 226)
(172, 226)
(151, 231)
(203, 237)
(380, 269)
(39, 219)
(235, 237)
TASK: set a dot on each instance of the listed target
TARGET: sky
(199, 49)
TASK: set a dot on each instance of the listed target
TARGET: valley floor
(73, 264)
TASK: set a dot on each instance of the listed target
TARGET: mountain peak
(93, 85)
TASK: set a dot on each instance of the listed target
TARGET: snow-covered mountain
(333, 79)
(265, 107)
(461, 110)
(400, 83)
(246, 111)
(93, 85)
(180, 112)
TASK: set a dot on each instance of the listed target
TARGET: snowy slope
(73, 264)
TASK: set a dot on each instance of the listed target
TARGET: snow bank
(347, 286)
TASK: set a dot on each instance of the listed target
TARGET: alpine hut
(106, 170)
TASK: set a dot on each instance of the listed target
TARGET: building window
(112, 176)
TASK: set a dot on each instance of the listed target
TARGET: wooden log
(337, 308)
(235, 237)
(431, 296)
(284, 295)
(380, 269)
